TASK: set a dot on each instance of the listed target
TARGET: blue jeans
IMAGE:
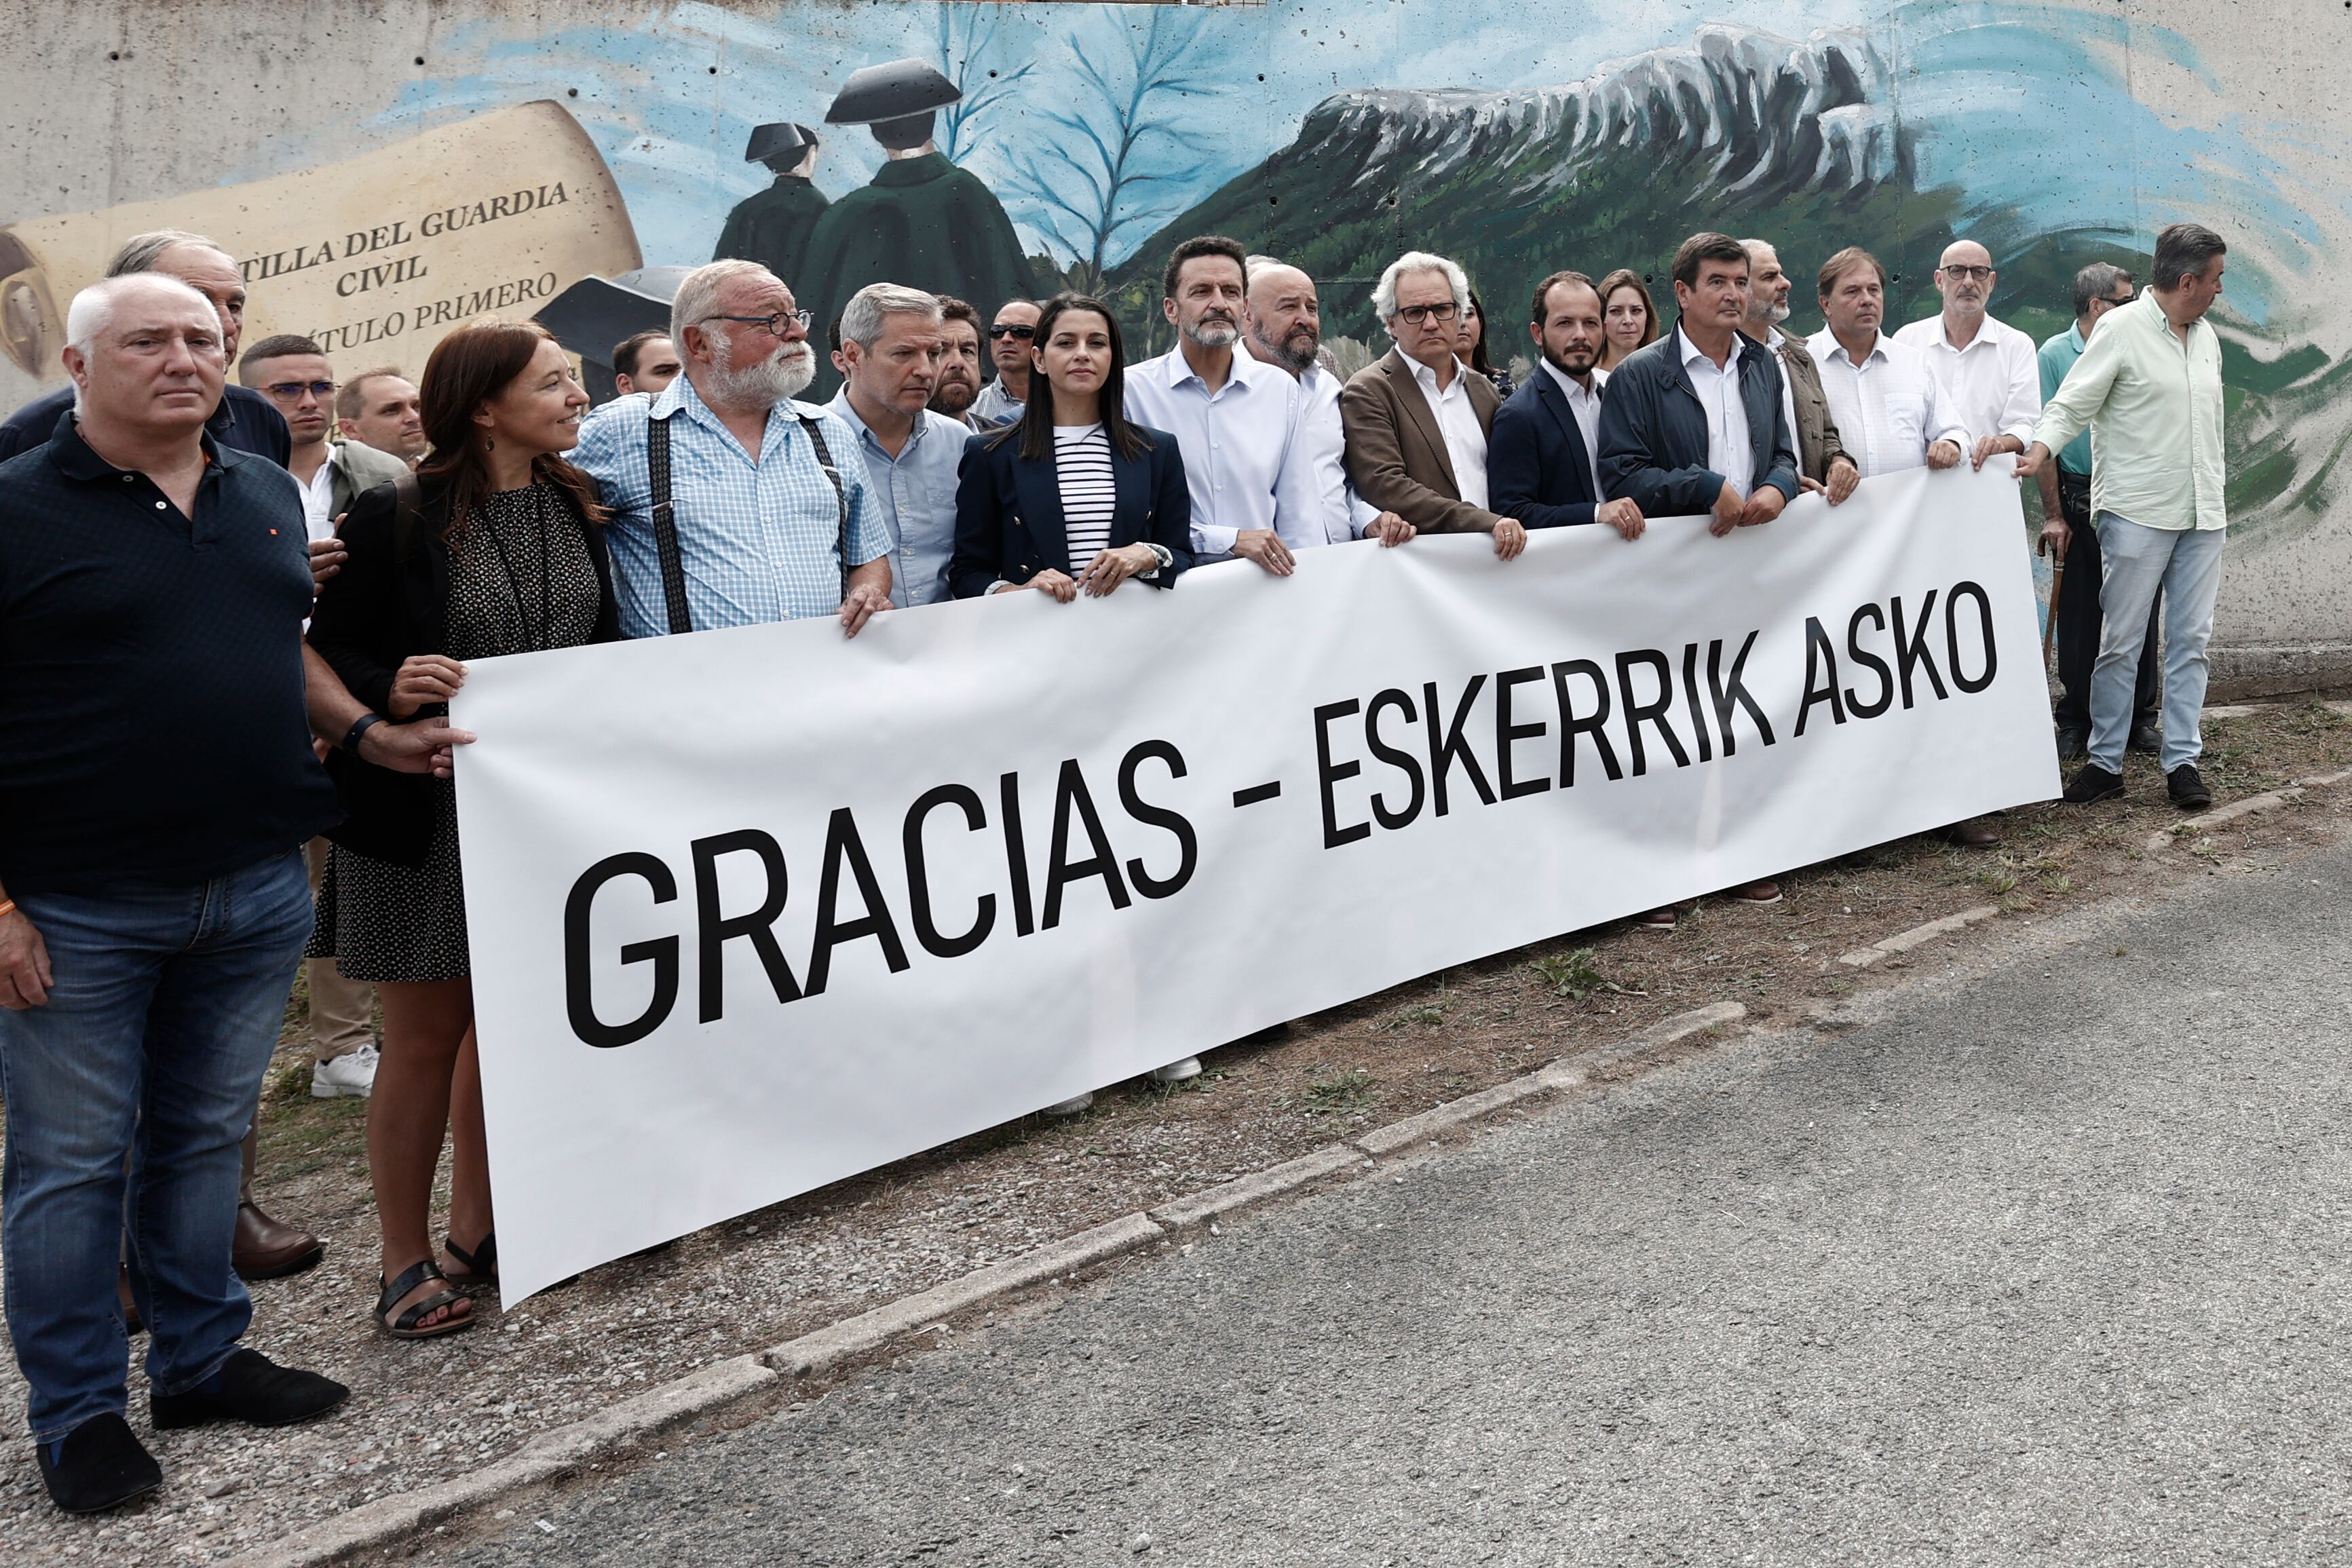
(2186, 565)
(149, 1051)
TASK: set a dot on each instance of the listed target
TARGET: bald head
(1285, 323)
(1964, 277)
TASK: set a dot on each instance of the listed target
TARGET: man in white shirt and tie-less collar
(1986, 370)
(1889, 410)
(1234, 417)
(1286, 329)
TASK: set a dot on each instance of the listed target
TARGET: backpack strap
(840, 498)
(673, 570)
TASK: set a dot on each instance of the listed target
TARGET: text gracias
(1626, 714)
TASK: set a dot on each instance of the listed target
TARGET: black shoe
(101, 1465)
(2186, 790)
(2074, 745)
(252, 1389)
(2093, 782)
(2145, 739)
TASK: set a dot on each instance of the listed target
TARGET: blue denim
(2136, 562)
(152, 1043)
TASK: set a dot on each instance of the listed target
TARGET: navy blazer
(1536, 468)
(1009, 524)
(1653, 429)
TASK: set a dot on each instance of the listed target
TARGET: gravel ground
(422, 1411)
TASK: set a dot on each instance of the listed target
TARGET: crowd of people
(158, 610)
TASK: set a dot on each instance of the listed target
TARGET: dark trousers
(2078, 619)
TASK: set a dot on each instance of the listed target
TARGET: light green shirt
(2152, 405)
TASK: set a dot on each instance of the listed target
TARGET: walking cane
(2057, 584)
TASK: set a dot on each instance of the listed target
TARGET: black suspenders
(673, 570)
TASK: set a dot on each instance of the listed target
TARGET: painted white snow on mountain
(1766, 111)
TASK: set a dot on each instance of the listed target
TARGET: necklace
(534, 637)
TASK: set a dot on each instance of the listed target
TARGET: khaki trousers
(340, 1009)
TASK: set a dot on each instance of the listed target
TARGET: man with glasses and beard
(1984, 368)
(773, 520)
(1010, 338)
(1286, 329)
(1234, 417)
(1543, 455)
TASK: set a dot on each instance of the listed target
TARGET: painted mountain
(1795, 142)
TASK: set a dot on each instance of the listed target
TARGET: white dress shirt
(318, 499)
(1788, 397)
(1328, 510)
(1730, 450)
(1457, 422)
(1993, 387)
(1586, 407)
(1235, 443)
(1888, 409)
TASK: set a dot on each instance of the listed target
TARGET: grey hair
(140, 253)
(92, 310)
(698, 294)
(861, 320)
(2097, 281)
(1251, 264)
(1384, 292)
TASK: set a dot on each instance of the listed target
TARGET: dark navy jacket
(1536, 468)
(1653, 429)
(245, 421)
(1009, 522)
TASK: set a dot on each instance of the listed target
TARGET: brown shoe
(132, 1323)
(266, 1250)
(1977, 835)
(1657, 919)
(1757, 893)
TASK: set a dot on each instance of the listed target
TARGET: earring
(488, 445)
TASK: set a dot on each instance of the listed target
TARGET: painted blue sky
(2023, 104)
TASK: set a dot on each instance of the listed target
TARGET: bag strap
(673, 570)
(840, 498)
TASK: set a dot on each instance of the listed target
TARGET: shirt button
(128, 477)
(159, 506)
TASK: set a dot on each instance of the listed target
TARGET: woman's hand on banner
(1112, 567)
(427, 746)
(423, 678)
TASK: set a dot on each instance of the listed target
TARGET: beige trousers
(340, 1009)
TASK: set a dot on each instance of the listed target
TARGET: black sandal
(404, 1326)
(481, 1263)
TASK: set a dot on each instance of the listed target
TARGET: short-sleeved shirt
(2057, 356)
(151, 673)
(245, 421)
(759, 542)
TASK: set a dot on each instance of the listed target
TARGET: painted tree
(967, 39)
(1113, 150)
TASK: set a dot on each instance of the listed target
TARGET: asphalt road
(2043, 1266)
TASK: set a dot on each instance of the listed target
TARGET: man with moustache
(1232, 416)
(768, 516)
(1010, 337)
(1541, 459)
(957, 387)
(1985, 369)
(1822, 462)
(1286, 329)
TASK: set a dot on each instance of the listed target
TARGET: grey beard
(771, 381)
(1778, 313)
(1282, 352)
(1215, 334)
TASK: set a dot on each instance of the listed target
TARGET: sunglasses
(1005, 329)
(286, 391)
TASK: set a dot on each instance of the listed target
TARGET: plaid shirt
(759, 541)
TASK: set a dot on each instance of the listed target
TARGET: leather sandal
(481, 1262)
(404, 1326)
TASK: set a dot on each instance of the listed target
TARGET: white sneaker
(1177, 1071)
(1073, 1105)
(353, 1073)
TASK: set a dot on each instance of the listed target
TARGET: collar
(919, 170)
(848, 412)
(1174, 369)
(1428, 378)
(76, 459)
(1561, 379)
(1878, 349)
(1688, 351)
(1988, 331)
(2074, 335)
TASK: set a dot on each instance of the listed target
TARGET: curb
(395, 1520)
(1918, 936)
(2271, 802)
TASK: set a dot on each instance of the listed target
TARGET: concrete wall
(575, 139)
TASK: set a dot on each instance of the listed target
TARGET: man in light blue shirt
(774, 520)
(891, 344)
(1234, 417)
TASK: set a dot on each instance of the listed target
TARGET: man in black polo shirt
(245, 419)
(156, 787)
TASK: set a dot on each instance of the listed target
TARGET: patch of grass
(1338, 1094)
(2056, 881)
(1995, 879)
(1429, 1015)
(1576, 976)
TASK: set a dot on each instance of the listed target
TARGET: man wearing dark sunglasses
(1009, 336)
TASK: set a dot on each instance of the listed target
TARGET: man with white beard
(734, 504)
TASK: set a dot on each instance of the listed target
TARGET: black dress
(520, 579)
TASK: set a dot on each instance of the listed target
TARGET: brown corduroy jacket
(1396, 454)
(1817, 433)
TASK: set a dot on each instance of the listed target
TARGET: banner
(753, 911)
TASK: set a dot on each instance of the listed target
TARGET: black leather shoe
(2092, 783)
(2187, 788)
(2074, 745)
(2145, 739)
(252, 1389)
(101, 1465)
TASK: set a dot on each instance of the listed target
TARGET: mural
(990, 150)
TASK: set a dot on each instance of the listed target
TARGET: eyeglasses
(1417, 313)
(286, 391)
(1006, 329)
(1968, 274)
(774, 325)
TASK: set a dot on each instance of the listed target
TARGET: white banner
(753, 911)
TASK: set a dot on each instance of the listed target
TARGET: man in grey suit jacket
(1416, 424)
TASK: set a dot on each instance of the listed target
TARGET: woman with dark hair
(500, 552)
(1628, 320)
(1471, 347)
(1073, 496)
